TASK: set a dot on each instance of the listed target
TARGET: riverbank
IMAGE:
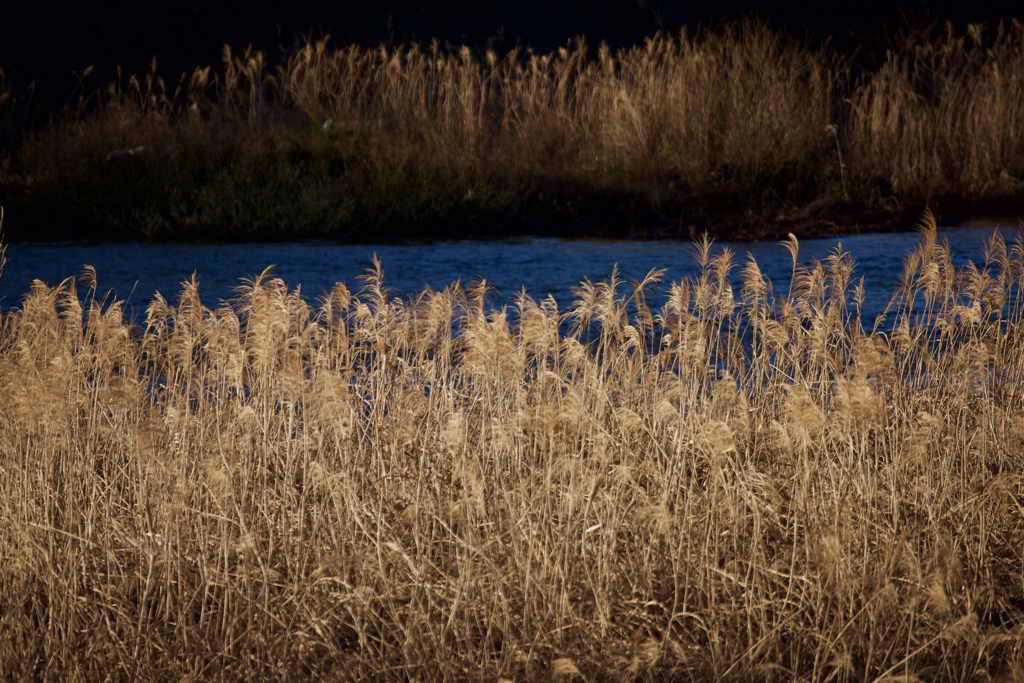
(568, 216)
(600, 217)
(741, 132)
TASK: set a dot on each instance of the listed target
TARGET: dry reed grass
(743, 485)
(351, 138)
(944, 113)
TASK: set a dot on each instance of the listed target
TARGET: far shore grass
(740, 131)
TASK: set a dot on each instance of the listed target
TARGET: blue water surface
(134, 271)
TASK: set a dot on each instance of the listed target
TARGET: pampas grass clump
(687, 128)
(742, 485)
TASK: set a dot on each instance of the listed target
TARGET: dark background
(45, 41)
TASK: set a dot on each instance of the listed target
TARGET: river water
(134, 271)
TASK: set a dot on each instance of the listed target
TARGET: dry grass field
(743, 485)
(741, 125)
